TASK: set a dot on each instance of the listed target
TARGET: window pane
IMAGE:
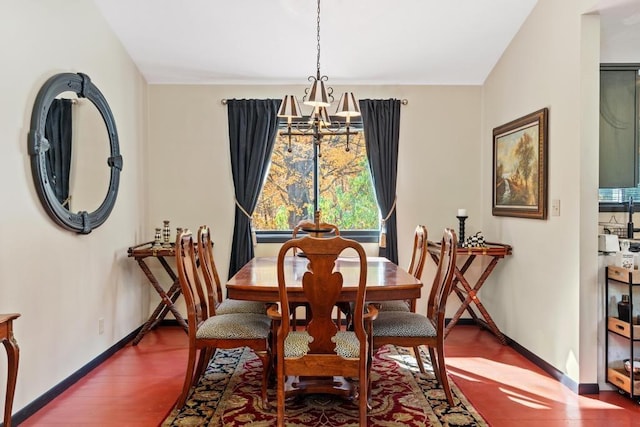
(347, 198)
(619, 195)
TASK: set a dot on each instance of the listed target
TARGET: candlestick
(166, 234)
(157, 237)
(461, 219)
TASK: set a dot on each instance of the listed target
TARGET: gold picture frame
(520, 167)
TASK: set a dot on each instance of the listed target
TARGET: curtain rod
(403, 101)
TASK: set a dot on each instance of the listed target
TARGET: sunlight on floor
(541, 391)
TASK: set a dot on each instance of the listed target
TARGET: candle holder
(461, 219)
(166, 234)
(157, 238)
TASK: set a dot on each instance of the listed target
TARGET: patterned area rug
(229, 395)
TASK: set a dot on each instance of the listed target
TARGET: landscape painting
(520, 167)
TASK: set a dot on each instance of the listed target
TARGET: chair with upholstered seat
(323, 349)
(209, 330)
(409, 329)
(418, 257)
(327, 229)
(212, 280)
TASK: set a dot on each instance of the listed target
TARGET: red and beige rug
(229, 395)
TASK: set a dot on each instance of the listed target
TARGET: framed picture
(520, 167)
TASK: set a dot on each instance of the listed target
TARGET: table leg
(471, 296)
(167, 299)
(13, 354)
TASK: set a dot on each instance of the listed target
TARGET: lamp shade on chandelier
(320, 97)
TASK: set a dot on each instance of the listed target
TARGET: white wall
(190, 174)
(59, 281)
(545, 295)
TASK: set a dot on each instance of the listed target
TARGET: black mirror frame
(81, 222)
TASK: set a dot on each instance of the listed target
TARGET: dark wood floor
(139, 385)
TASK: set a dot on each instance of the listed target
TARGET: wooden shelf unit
(628, 334)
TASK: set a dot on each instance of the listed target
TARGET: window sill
(360, 236)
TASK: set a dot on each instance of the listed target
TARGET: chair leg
(280, 392)
(435, 364)
(188, 378)
(416, 351)
(203, 362)
(266, 371)
(364, 395)
(444, 380)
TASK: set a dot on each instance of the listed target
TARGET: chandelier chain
(318, 39)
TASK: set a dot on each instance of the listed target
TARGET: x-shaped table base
(168, 298)
(468, 294)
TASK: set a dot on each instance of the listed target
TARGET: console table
(167, 299)
(13, 354)
(468, 294)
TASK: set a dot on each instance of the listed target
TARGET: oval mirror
(75, 156)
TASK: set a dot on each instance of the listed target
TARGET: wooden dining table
(258, 280)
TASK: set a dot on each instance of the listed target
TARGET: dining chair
(323, 349)
(418, 257)
(209, 330)
(217, 303)
(409, 329)
(327, 229)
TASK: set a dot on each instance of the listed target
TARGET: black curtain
(381, 121)
(58, 132)
(253, 124)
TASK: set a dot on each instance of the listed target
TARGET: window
(346, 194)
(619, 136)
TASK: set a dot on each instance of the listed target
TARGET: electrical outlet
(555, 207)
(100, 326)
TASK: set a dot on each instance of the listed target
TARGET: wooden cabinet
(622, 337)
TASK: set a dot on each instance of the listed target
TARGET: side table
(13, 354)
(167, 299)
(463, 289)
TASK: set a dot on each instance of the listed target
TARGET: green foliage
(347, 198)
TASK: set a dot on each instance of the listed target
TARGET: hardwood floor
(139, 385)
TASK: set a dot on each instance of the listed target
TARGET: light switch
(555, 207)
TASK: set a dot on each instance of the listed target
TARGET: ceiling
(435, 42)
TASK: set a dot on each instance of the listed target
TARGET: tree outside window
(347, 197)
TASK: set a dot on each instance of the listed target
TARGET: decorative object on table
(520, 167)
(179, 231)
(462, 217)
(157, 239)
(624, 309)
(229, 394)
(475, 241)
(166, 234)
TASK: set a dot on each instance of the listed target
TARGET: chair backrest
(208, 268)
(443, 281)
(419, 252)
(195, 295)
(311, 225)
(322, 287)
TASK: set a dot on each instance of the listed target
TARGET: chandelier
(319, 97)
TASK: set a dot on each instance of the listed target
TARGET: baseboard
(584, 388)
(52, 393)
